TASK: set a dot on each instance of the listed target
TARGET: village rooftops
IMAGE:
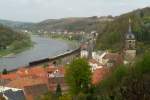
(22, 82)
(117, 58)
(38, 71)
(32, 92)
(9, 76)
(111, 55)
(40, 76)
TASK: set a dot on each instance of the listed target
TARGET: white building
(95, 65)
(84, 54)
(98, 56)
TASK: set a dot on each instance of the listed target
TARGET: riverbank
(10, 53)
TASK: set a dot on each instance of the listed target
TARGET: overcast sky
(38, 10)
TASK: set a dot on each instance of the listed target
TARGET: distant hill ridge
(70, 24)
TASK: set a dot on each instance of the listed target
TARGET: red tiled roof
(38, 71)
(98, 75)
(23, 72)
(35, 71)
(30, 72)
(111, 55)
(115, 57)
(10, 76)
(22, 82)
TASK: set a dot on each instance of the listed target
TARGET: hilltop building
(130, 44)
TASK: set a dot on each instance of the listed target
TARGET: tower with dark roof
(130, 44)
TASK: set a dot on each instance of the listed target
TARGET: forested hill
(15, 24)
(70, 24)
(11, 41)
(112, 37)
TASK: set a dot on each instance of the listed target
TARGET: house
(112, 59)
(32, 87)
(33, 91)
(56, 76)
(84, 54)
(99, 55)
(50, 76)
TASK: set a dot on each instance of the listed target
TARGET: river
(43, 48)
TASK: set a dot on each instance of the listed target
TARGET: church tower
(130, 44)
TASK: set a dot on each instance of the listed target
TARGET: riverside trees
(12, 41)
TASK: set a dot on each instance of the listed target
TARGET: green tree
(78, 76)
(12, 41)
(65, 97)
(46, 96)
(58, 90)
(127, 82)
(4, 71)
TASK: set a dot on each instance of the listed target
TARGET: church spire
(130, 30)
